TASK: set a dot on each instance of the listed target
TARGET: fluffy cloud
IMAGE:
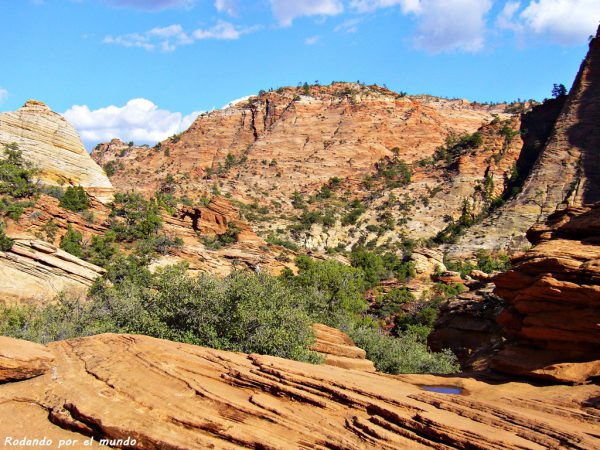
(348, 26)
(223, 30)
(285, 11)
(3, 95)
(151, 5)
(408, 6)
(442, 25)
(227, 6)
(447, 25)
(567, 22)
(169, 38)
(163, 38)
(140, 120)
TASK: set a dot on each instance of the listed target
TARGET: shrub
(16, 174)
(102, 249)
(71, 242)
(75, 199)
(392, 301)
(405, 354)
(243, 312)
(138, 218)
(6, 243)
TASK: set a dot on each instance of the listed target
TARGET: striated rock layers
(53, 145)
(262, 150)
(194, 397)
(553, 292)
(34, 270)
(566, 172)
(338, 349)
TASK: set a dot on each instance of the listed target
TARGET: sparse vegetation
(75, 199)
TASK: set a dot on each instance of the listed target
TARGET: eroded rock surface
(193, 397)
(554, 300)
(565, 173)
(53, 145)
(20, 360)
(34, 270)
(338, 349)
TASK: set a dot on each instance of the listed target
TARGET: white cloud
(163, 38)
(312, 40)
(567, 22)
(140, 120)
(169, 38)
(223, 30)
(506, 19)
(285, 11)
(3, 94)
(442, 25)
(348, 26)
(448, 25)
(236, 101)
(408, 6)
(227, 6)
(152, 5)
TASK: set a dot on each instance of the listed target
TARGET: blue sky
(142, 69)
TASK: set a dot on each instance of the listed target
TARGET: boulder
(20, 360)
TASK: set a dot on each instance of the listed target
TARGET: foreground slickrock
(167, 395)
(53, 145)
(554, 300)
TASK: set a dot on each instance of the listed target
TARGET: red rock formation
(553, 294)
(194, 397)
(566, 172)
(339, 350)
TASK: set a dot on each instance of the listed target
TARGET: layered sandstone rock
(194, 397)
(553, 294)
(565, 172)
(264, 149)
(338, 349)
(53, 145)
(20, 360)
(467, 325)
(34, 270)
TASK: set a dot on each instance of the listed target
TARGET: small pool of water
(443, 389)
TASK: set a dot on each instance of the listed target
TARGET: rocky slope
(194, 397)
(262, 150)
(53, 145)
(565, 172)
(36, 271)
(553, 295)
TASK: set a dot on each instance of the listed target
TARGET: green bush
(102, 249)
(71, 242)
(136, 217)
(243, 312)
(16, 174)
(75, 199)
(405, 354)
(392, 301)
(6, 243)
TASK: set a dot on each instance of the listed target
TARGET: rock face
(553, 294)
(53, 145)
(262, 150)
(566, 172)
(34, 270)
(339, 350)
(20, 360)
(194, 397)
(467, 325)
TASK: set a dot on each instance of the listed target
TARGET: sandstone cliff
(53, 145)
(263, 150)
(566, 172)
(553, 294)
(194, 397)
